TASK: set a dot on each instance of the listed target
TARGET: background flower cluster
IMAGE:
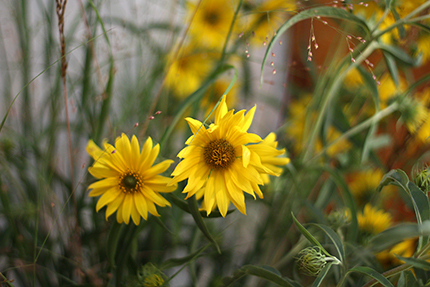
(102, 183)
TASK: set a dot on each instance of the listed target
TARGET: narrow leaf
(322, 275)
(418, 263)
(309, 236)
(198, 219)
(266, 272)
(334, 238)
(372, 273)
(396, 177)
(173, 262)
(392, 67)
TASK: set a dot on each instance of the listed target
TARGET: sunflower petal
(126, 208)
(140, 203)
(107, 197)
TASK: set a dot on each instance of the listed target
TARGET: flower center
(212, 18)
(130, 182)
(219, 154)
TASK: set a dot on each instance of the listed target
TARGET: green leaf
(322, 275)
(322, 11)
(173, 262)
(400, 28)
(348, 198)
(421, 200)
(418, 198)
(309, 236)
(398, 233)
(372, 273)
(335, 239)
(418, 263)
(400, 54)
(396, 177)
(388, 3)
(198, 219)
(392, 67)
(266, 272)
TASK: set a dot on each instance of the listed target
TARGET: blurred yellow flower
(187, 72)
(404, 7)
(353, 78)
(373, 13)
(296, 129)
(211, 22)
(388, 89)
(268, 16)
(223, 160)
(363, 184)
(405, 248)
(129, 183)
(414, 115)
(373, 220)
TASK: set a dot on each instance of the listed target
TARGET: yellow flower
(363, 185)
(187, 72)
(129, 184)
(223, 160)
(423, 47)
(405, 248)
(373, 13)
(267, 17)
(211, 22)
(404, 7)
(388, 89)
(373, 220)
(268, 157)
(297, 129)
(414, 114)
(353, 79)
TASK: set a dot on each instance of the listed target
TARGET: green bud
(338, 219)
(422, 179)
(151, 276)
(312, 260)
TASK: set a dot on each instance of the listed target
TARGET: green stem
(404, 20)
(224, 49)
(362, 126)
(5, 280)
(333, 89)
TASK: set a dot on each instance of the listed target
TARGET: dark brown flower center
(130, 182)
(219, 154)
(212, 18)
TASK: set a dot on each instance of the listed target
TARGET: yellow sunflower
(223, 160)
(129, 183)
(187, 72)
(363, 185)
(211, 22)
